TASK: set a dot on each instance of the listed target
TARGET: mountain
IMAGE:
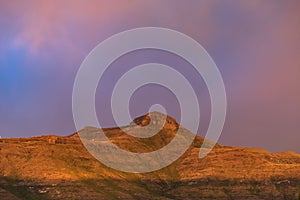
(55, 167)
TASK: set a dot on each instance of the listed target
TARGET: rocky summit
(55, 167)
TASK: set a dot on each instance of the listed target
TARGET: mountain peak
(157, 119)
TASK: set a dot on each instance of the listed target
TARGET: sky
(255, 44)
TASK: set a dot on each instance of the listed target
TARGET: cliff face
(53, 167)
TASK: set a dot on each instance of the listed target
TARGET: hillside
(54, 167)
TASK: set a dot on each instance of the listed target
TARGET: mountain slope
(53, 167)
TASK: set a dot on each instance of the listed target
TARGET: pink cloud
(44, 23)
